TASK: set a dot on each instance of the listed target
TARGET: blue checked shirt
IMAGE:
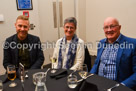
(107, 67)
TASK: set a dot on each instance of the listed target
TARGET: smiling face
(111, 29)
(69, 29)
(22, 28)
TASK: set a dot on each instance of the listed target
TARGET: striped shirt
(107, 67)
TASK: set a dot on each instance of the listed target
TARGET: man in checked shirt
(116, 55)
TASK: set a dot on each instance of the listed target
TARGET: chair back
(87, 59)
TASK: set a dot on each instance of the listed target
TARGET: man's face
(69, 29)
(22, 27)
(111, 29)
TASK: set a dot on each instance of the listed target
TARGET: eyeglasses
(68, 27)
(111, 27)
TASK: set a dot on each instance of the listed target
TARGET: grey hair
(71, 20)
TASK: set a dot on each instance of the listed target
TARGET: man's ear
(120, 27)
(15, 24)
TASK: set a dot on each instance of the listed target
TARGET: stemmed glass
(83, 71)
(11, 72)
(53, 61)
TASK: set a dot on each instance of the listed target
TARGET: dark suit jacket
(11, 52)
(126, 61)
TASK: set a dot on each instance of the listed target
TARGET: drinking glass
(53, 61)
(39, 79)
(36, 76)
(72, 81)
(40, 86)
(1, 85)
(83, 71)
(11, 72)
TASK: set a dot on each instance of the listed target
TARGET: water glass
(39, 76)
(1, 85)
(72, 81)
(40, 86)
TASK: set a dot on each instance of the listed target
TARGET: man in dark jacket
(23, 47)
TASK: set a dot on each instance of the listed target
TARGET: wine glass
(11, 72)
(83, 71)
(53, 61)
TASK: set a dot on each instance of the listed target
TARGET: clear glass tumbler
(72, 81)
(40, 85)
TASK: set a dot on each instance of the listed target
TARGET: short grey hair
(71, 20)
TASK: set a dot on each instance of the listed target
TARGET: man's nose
(109, 29)
(22, 28)
(69, 29)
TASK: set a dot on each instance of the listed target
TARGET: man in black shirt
(23, 47)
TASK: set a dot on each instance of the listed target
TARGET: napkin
(60, 73)
(87, 86)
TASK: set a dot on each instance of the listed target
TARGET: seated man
(69, 50)
(23, 47)
(116, 55)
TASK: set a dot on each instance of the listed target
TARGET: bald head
(111, 19)
(111, 29)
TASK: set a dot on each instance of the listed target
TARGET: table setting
(60, 81)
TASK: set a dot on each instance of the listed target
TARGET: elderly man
(23, 47)
(116, 55)
(69, 50)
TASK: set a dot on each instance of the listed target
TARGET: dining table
(52, 84)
